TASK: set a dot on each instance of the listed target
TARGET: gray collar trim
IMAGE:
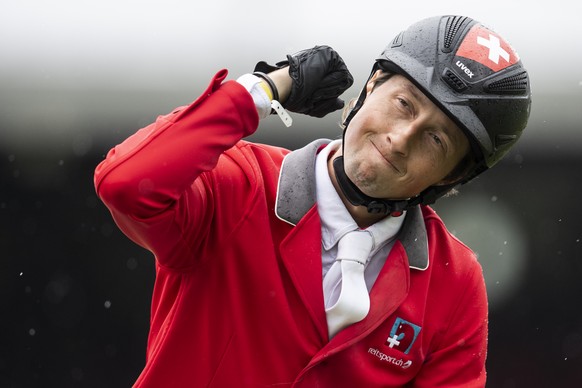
(296, 194)
(414, 239)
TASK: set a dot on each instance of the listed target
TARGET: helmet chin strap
(358, 198)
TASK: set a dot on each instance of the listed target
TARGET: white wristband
(283, 115)
(261, 99)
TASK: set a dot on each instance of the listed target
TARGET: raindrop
(31, 332)
(61, 162)
(107, 304)
(494, 198)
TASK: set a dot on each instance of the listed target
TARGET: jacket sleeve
(459, 358)
(152, 182)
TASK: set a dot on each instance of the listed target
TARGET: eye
(437, 139)
(403, 102)
(404, 105)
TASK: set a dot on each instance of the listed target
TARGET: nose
(401, 137)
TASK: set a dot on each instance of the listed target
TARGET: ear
(372, 81)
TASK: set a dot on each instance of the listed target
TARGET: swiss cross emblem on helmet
(485, 47)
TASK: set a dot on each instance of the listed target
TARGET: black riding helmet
(473, 75)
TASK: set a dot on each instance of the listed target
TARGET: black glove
(319, 77)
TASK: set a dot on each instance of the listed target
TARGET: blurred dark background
(76, 79)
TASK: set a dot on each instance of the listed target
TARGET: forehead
(402, 83)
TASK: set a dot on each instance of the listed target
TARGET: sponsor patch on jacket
(402, 335)
(398, 344)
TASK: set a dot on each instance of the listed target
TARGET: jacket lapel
(301, 255)
(301, 248)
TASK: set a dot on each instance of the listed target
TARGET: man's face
(399, 143)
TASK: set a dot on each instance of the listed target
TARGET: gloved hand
(319, 76)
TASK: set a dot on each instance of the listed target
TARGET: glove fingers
(325, 107)
(332, 86)
(319, 76)
(324, 87)
(319, 60)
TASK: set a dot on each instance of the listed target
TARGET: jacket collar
(296, 194)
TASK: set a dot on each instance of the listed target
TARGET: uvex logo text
(462, 66)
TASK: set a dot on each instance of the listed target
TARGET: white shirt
(337, 221)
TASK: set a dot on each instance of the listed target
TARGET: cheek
(353, 144)
(353, 131)
(368, 118)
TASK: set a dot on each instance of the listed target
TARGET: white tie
(353, 302)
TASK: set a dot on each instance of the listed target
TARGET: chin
(374, 190)
(370, 189)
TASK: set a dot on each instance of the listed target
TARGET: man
(322, 267)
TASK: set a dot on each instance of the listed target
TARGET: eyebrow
(417, 94)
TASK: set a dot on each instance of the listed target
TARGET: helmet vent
(453, 80)
(398, 40)
(453, 26)
(515, 84)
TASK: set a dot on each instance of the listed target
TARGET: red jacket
(238, 298)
